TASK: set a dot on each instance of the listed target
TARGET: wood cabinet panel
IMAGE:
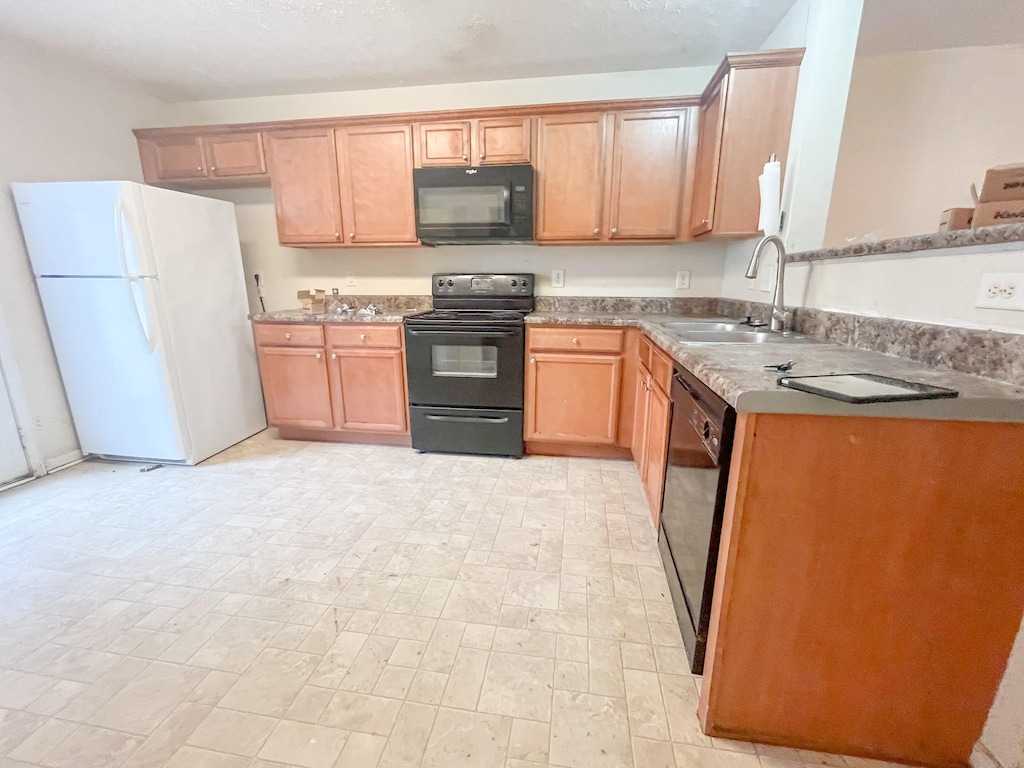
(659, 416)
(304, 177)
(709, 148)
(375, 165)
(289, 334)
(235, 154)
(638, 444)
(368, 390)
(368, 335)
(441, 144)
(570, 339)
(169, 158)
(295, 387)
(503, 141)
(573, 397)
(648, 169)
(571, 177)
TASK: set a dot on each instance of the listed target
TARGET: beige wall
(920, 128)
(601, 271)
(58, 121)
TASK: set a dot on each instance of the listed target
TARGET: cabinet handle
(703, 221)
(319, 355)
(337, 235)
(334, 355)
(481, 155)
(199, 168)
(575, 340)
(351, 235)
(614, 230)
(533, 360)
(213, 167)
(465, 157)
(287, 335)
(362, 337)
(597, 230)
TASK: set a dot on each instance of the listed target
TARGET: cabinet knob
(597, 230)
(575, 340)
(351, 235)
(287, 335)
(199, 168)
(533, 360)
(319, 355)
(337, 235)
(481, 155)
(703, 221)
(334, 355)
(614, 230)
(362, 337)
(465, 157)
(213, 167)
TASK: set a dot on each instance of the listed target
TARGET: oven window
(464, 361)
(463, 205)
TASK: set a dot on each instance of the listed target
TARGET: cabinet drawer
(661, 369)
(644, 351)
(365, 336)
(571, 339)
(289, 335)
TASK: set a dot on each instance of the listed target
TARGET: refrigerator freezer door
(84, 228)
(195, 249)
(111, 352)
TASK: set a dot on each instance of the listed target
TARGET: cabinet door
(709, 150)
(573, 397)
(659, 416)
(235, 154)
(639, 442)
(295, 387)
(368, 390)
(304, 177)
(173, 157)
(443, 143)
(648, 168)
(375, 166)
(570, 177)
(503, 141)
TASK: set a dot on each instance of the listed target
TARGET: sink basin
(703, 326)
(743, 337)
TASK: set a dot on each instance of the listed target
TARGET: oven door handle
(484, 419)
(474, 334)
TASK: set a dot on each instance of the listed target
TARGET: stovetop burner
(468, 316)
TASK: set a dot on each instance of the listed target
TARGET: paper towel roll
(769, 182)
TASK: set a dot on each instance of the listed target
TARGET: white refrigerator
(144, 295)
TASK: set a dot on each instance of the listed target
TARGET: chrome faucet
(780, 317)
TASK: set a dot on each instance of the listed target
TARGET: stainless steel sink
(743, 337)
(702, 326)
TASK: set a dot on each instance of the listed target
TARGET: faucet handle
(752, 323)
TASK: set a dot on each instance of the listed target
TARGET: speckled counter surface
(736, 373)
(298, 316)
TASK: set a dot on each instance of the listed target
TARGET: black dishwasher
(696, 479)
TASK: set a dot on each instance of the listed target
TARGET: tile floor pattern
(317, 605)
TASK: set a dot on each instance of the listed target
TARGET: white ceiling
(890, 26)
(191, 49)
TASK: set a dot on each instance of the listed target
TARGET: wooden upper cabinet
(304, 177)
(440, 144)
(648, 172)
(503, 141)
(571, 177)
(235, 154)
(375, 164)
(174, 157)
(296, 387)
(746, 116)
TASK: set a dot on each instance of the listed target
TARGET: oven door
(465, 366)
(454, 204)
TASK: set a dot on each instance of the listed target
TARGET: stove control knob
(451, 283)
(440, 282)
(515, 283)
(522, 283)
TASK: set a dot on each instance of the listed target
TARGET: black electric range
(464, 361)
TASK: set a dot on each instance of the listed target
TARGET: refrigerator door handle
(123, 226)
(137, 286)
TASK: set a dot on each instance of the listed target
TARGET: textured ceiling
(191, 49)
(922, 25)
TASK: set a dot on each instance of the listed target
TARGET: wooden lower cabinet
(341, 382)
(295, 387)
(368, 390)
(573, 397)
(653, 418)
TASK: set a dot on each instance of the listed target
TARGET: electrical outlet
(558, 278)
(350, 280)
(683, 280)
(767, 278)
(1001, 290)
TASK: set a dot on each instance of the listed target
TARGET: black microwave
(467, 206)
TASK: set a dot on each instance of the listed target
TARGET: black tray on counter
(865, 388)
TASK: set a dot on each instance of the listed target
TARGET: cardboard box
(1003, 212)
(1003, 182)
(312, 301)
(956, 218)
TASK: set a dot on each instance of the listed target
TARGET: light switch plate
(683, 280)
(1001, 290)
(350, 280)
(558, 278)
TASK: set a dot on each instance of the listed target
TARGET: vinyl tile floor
(322, 605)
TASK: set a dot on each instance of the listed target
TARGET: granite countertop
(298, 316)
(736, 373)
